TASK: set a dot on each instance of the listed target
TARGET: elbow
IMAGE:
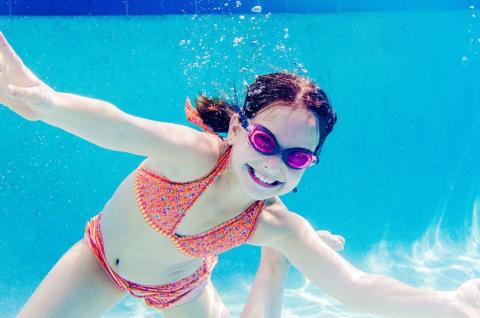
(363, 295)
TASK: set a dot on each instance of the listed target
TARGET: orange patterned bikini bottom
(157, 296)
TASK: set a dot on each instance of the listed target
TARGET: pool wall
(155, 7)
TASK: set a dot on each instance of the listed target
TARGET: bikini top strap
(194, 117)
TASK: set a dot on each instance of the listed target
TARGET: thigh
(77, 286)
(207, 304)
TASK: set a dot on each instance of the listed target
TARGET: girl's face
(292, 127)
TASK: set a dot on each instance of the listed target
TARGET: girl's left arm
(363, 292)
(266, 294)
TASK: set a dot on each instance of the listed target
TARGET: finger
(340, 242)
(336, 246)
(341, 239)
(323, 233)
(339, 248)
(27, 94)
(3, 67)
(12, 60)
(21, 109)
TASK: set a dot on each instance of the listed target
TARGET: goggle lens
(263, 142)
(298, 159)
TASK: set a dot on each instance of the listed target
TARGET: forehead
(292, 127)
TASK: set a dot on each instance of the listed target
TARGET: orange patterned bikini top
(165, 203)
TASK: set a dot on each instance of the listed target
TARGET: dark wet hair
(288, 88)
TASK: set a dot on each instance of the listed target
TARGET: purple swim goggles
(265, 143)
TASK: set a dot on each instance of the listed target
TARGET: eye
(299, 159)
(264, 142)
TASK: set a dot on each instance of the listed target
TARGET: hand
(336, 242)
(467, 297)
(20, 89)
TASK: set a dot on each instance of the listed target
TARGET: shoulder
(277, 222)
(198, 160)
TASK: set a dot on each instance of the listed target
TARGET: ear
(234, 129)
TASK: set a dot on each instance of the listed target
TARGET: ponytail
(215, 112)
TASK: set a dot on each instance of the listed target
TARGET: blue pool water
(399, 176)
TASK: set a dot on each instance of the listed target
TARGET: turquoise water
(398, 178)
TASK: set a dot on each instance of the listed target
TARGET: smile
(262, 180)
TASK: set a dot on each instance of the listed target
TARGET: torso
(144, 255)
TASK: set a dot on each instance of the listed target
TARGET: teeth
(263, 178)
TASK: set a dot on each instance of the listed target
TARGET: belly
(136, 251)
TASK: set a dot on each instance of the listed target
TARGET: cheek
(243, 153)
(293, 179)
(240, 156)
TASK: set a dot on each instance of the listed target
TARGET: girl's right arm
(94, 120)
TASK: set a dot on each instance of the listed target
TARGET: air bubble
(257, 9)
(237, 41)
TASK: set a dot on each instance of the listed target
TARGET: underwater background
(398, 177)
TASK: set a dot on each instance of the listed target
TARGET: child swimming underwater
(90, 290)
(197, 195)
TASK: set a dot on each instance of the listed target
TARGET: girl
(198, 195)
(79, 271)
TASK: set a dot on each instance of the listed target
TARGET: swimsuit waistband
(158, 296)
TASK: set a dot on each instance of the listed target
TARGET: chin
(257, 196)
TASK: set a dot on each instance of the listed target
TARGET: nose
(272, 163)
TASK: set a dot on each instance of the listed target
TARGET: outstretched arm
(94, 120)
(369, 293)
